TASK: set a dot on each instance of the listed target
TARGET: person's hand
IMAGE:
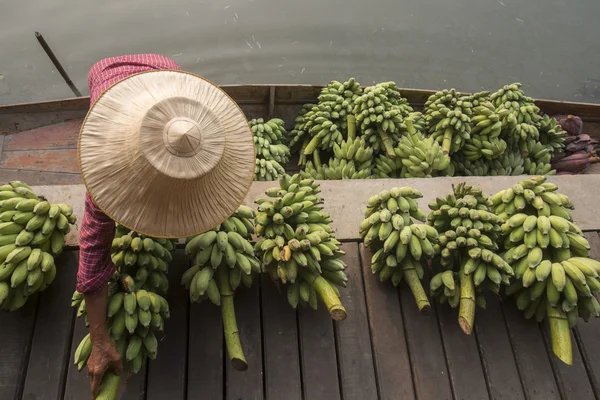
(104, 355)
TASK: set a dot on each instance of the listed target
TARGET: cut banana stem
(109, 387)
(327, 294)
(560, 334)
(447, 143)
(466, 313)
(414, 283)
(351, 121)
(232, 335)
(316, 158)
(387, 142)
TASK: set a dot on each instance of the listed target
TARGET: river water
(551, 46)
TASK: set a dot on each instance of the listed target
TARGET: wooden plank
(318, 357)
(205, 352)
(572, 380)
(40, 177)
(357, 372)
(47, 370)
(462, 356)
(280, 338)
(247, 385)
(62, 160)
(168, 373)
(497, 358)
(530, 353)
(588, 334)
(58, 136)
(392, 362)
(430, 373)
(16, 334)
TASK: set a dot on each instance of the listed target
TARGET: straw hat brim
(166, 154)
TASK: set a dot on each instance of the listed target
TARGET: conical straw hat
(167, 154)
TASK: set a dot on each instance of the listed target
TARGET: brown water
(551, 46)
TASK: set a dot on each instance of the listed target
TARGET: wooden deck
(384, 350)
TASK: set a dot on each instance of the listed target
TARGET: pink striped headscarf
(109, 71)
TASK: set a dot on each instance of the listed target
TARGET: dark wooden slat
(16, 333)
(392, 363)
(205, 352)
(536, 373)
(318, 358)
(47, 370)
(167, 374)
(58, 136)
(62, 160)
(430, 373)
(247, 385)
(497, 358)
(357, 372)
(462, 356)
(588, 334)
(280, 340)
(573, 382)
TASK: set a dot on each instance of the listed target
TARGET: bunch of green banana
(485, 131)
(448, 117)
(32, 233)
(223, 258)
(327, 123)
(380, 111)
(296, 245)
(416, 156)
(520, 124)
(400, 247)
(537, 159)
(145, 258)
(554, 276)
(267, 170)
(509, 163)
(269, 140)
(551, 134)
(469, 263)
(352, 160)
(464, 167)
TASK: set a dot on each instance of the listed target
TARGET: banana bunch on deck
(352, 160)
(554, 276)
(270, 148)
(508, 164)
(486, 128)
(296, 245)
(523, 117)
(400, 246)
(448, 117)
(380, 111)
(135, 309)
(32, 233)
(537, 159)
(327, 123)
(469, 263)
(551, 134)
(416, 156)
(223, 259)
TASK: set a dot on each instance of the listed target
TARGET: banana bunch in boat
(523, 118)
(448, 117)
(380, 111)
(536, 160)
(32, 234)
(328, 122)
(399, 246)
(135, 317)
(486, 128)
(296, 245)
(223, 259)
(555, 278)
(352, 160)
(416, 156)
(267, 170)
(145, 258)
(269, 140)
(508, 164)
(469, 260)
(551, 134)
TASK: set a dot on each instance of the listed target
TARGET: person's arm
(95, 269)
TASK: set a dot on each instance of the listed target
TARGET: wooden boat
(39, 140)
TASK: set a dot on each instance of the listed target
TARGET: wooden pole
(57, 64)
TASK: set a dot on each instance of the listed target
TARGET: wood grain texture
(392, 363)
(60, 160)
(58, 136)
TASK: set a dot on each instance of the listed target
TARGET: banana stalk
(466, 312)
(232, 335)
(560, 334)
(326, 293)
(414, 283)
(109, 387)
(351, 121)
